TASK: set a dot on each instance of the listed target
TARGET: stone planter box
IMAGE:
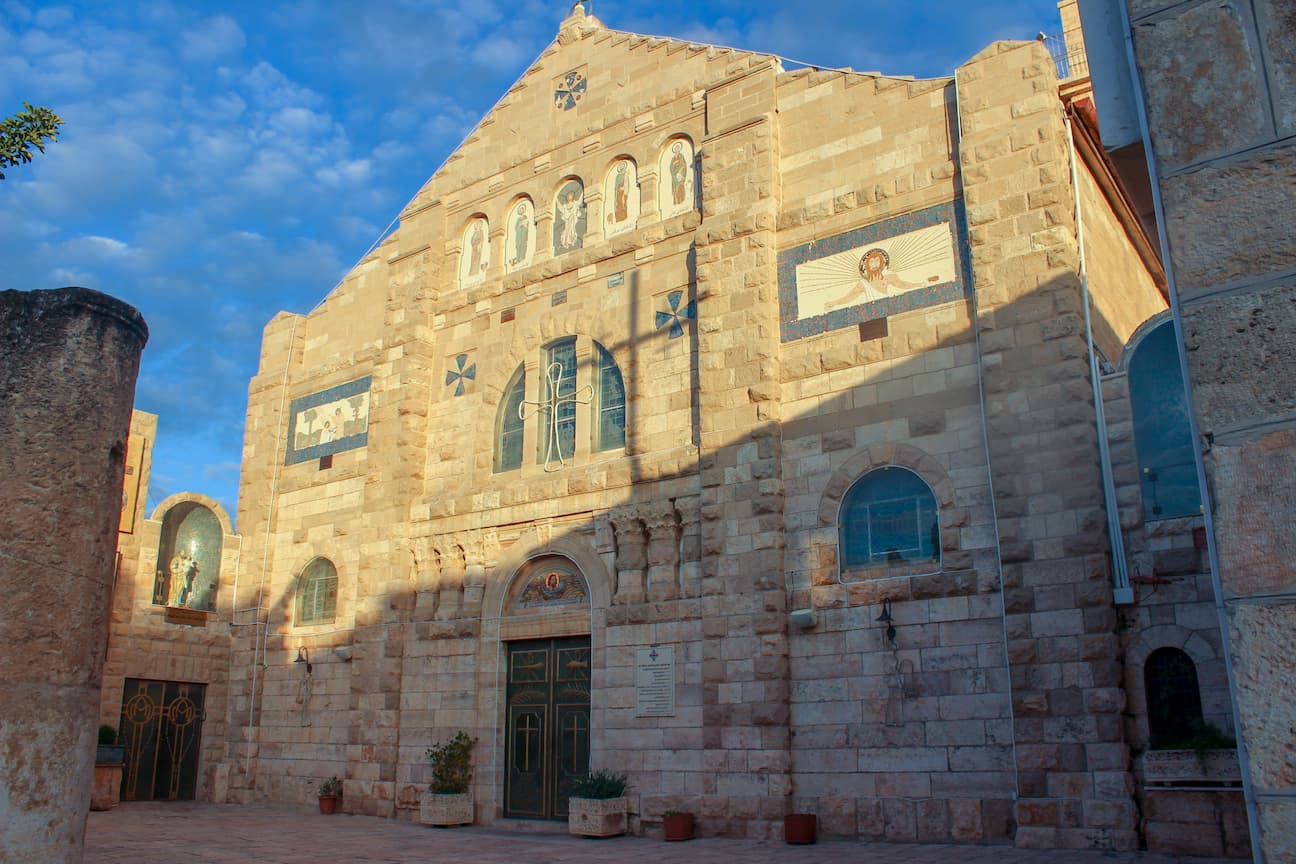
(109, 760)
(596, 817)
(1172, 769)
(443, 810)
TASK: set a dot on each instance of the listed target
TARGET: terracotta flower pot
(800, 828)
(678, 826)
(328, 804)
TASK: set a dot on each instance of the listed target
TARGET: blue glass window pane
(611, 403)
(508, 450)
(888, 516)
(1162, 435)
(561, 447)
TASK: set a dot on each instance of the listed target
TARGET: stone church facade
(736, 430)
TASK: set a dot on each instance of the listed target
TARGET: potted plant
(677, 825)
(597, 806)
(109, 759)
(800, 828)
(448, 800)
(329, 793)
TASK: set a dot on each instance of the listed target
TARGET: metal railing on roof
(1070, 63)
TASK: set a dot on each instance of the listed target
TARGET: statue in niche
(184, 568)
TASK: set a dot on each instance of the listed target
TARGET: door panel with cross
(548, 738)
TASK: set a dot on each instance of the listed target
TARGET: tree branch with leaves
(29, 128)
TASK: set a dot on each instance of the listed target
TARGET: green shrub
(107, 736)
(452, 768)
(331, 786)
(599, 784)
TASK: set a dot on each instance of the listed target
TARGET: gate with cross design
(161, 726)
(548, 739)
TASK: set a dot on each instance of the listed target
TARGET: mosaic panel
(552, 586)
(897, 265)
(330, 421)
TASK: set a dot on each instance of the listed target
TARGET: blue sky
(222, 162)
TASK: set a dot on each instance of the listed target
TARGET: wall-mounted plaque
(330, 421)
(655, 681)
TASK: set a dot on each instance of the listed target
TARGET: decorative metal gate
(161, 726)
(548, 725)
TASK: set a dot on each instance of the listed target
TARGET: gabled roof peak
(579, 22)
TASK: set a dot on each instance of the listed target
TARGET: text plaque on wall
(655, 681)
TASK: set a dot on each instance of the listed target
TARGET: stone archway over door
(547, 656)
(548, 725)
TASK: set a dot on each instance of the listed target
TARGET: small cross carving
(553, 446)
(653, 655)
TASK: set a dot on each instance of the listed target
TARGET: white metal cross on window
(553, 444)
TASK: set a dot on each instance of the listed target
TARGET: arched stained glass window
(1162, 434)
(888, 517)
(508, 424)
(609, 428)
(317, 593)
(558, 399)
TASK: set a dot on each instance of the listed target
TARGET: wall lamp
(303, 656)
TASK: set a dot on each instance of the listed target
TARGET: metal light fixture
(303, 656)
(885, 618)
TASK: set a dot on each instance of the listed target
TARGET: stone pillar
(663, 551)
(1074, 785)
(631, 556)
(70, 359)
(689, 510)
(450, 597)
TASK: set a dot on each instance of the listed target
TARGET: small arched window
(508, 424)
(1173, 699)
(1162, 434)
(317, 593)
(888, 517)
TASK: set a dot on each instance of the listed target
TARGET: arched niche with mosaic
(676, 178)
(897, 265)
(189, 558)
(569, 216)
(550, 582)
(475, 252)
(519, 235)
(620, 197)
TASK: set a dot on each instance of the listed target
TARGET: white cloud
(215, 38)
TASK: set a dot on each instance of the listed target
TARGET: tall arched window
(888, 517)
(317, 593)
(1162, 434)
(609, 404)
(508, 424)
(573, 371)
(1173, 699)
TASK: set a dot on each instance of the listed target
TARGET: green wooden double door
(161, 726)
(548, 736)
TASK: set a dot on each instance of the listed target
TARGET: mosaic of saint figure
(675, 178)
(569, 217)
(475, 255)
(520, 245)
(621, 198)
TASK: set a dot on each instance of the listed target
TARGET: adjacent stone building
(733, 426)
(1201, 97)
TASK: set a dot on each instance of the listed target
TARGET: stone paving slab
(153, 833)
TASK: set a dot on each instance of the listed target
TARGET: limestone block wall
(1073, 780)
(1220, 104)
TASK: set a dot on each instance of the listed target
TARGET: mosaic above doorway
(904, 263)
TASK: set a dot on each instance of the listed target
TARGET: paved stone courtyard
(148, 833)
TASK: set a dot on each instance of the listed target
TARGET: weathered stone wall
(1217, 80)
(71, 358)
(1073, 781)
